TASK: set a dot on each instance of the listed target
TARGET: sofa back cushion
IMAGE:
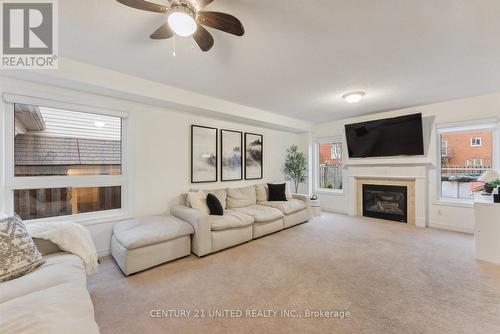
(241, 197)
(288, 193)
(221, 195)
(46, 247)
(198, 200)
(261, 191)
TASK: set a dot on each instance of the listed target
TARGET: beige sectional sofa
(51, 299)
(248, 215)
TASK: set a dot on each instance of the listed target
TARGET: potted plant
(490, 186)
(295, 166)
(491, 180)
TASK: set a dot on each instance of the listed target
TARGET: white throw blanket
(69, 237)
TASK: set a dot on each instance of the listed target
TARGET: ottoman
(141, 243)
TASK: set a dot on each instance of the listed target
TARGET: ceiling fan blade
(221, 21)
(145, 5)
(163, 32)
(203, 3)
(203, 38)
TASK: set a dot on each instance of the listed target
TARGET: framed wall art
(253, 156)
(203, 154)
(231, 143)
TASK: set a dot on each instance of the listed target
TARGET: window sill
(336, 192)
(456, 203)
(87, 219)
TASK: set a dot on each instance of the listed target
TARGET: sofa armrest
(202, 237)
(303, 198)
(307, 200)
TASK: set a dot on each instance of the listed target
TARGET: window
(475, 142)
(65, 162)
(329, 162)
(52, 202)
(462, 165)
(61, 142)
(446, 151)
(475, 163)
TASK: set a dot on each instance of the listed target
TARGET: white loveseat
(51, 299)
(248, 215)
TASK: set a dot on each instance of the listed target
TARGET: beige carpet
(393, 278)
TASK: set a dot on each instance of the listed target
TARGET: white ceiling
(298, 57)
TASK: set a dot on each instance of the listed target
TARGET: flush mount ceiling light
(182, 21)
(99, 124)
(186, 18)
(353, 97)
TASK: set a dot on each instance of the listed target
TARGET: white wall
(440, 214)
(161, 156)
(159, 144)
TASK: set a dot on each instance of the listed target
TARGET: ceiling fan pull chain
(174, 46)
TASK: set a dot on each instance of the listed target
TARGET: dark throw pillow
(214, 205)
(277, 192)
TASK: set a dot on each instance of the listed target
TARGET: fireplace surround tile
(416, 175)
(409, 184)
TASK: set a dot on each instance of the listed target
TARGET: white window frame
(11, 182)
(473, 142)
(457, 127)
(316, 156)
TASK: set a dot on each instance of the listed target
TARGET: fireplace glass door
(385, 202)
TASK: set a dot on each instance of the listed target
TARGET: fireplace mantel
(391, 162)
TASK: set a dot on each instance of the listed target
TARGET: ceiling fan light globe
(182, 23)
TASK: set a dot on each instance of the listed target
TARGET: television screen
(386, 137)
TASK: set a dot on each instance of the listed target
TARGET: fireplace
(385, 202)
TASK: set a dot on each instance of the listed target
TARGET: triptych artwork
(204, 155)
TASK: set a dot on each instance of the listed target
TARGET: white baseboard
(342, 212)
(450, 227)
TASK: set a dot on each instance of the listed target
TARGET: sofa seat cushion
(61, 309)
(261, 213)
(58, 268)
(230, 219)
(287, 207)
(146, 231)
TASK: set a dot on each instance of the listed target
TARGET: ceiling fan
(185, 18)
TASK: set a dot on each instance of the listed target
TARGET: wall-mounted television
(386, 137)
